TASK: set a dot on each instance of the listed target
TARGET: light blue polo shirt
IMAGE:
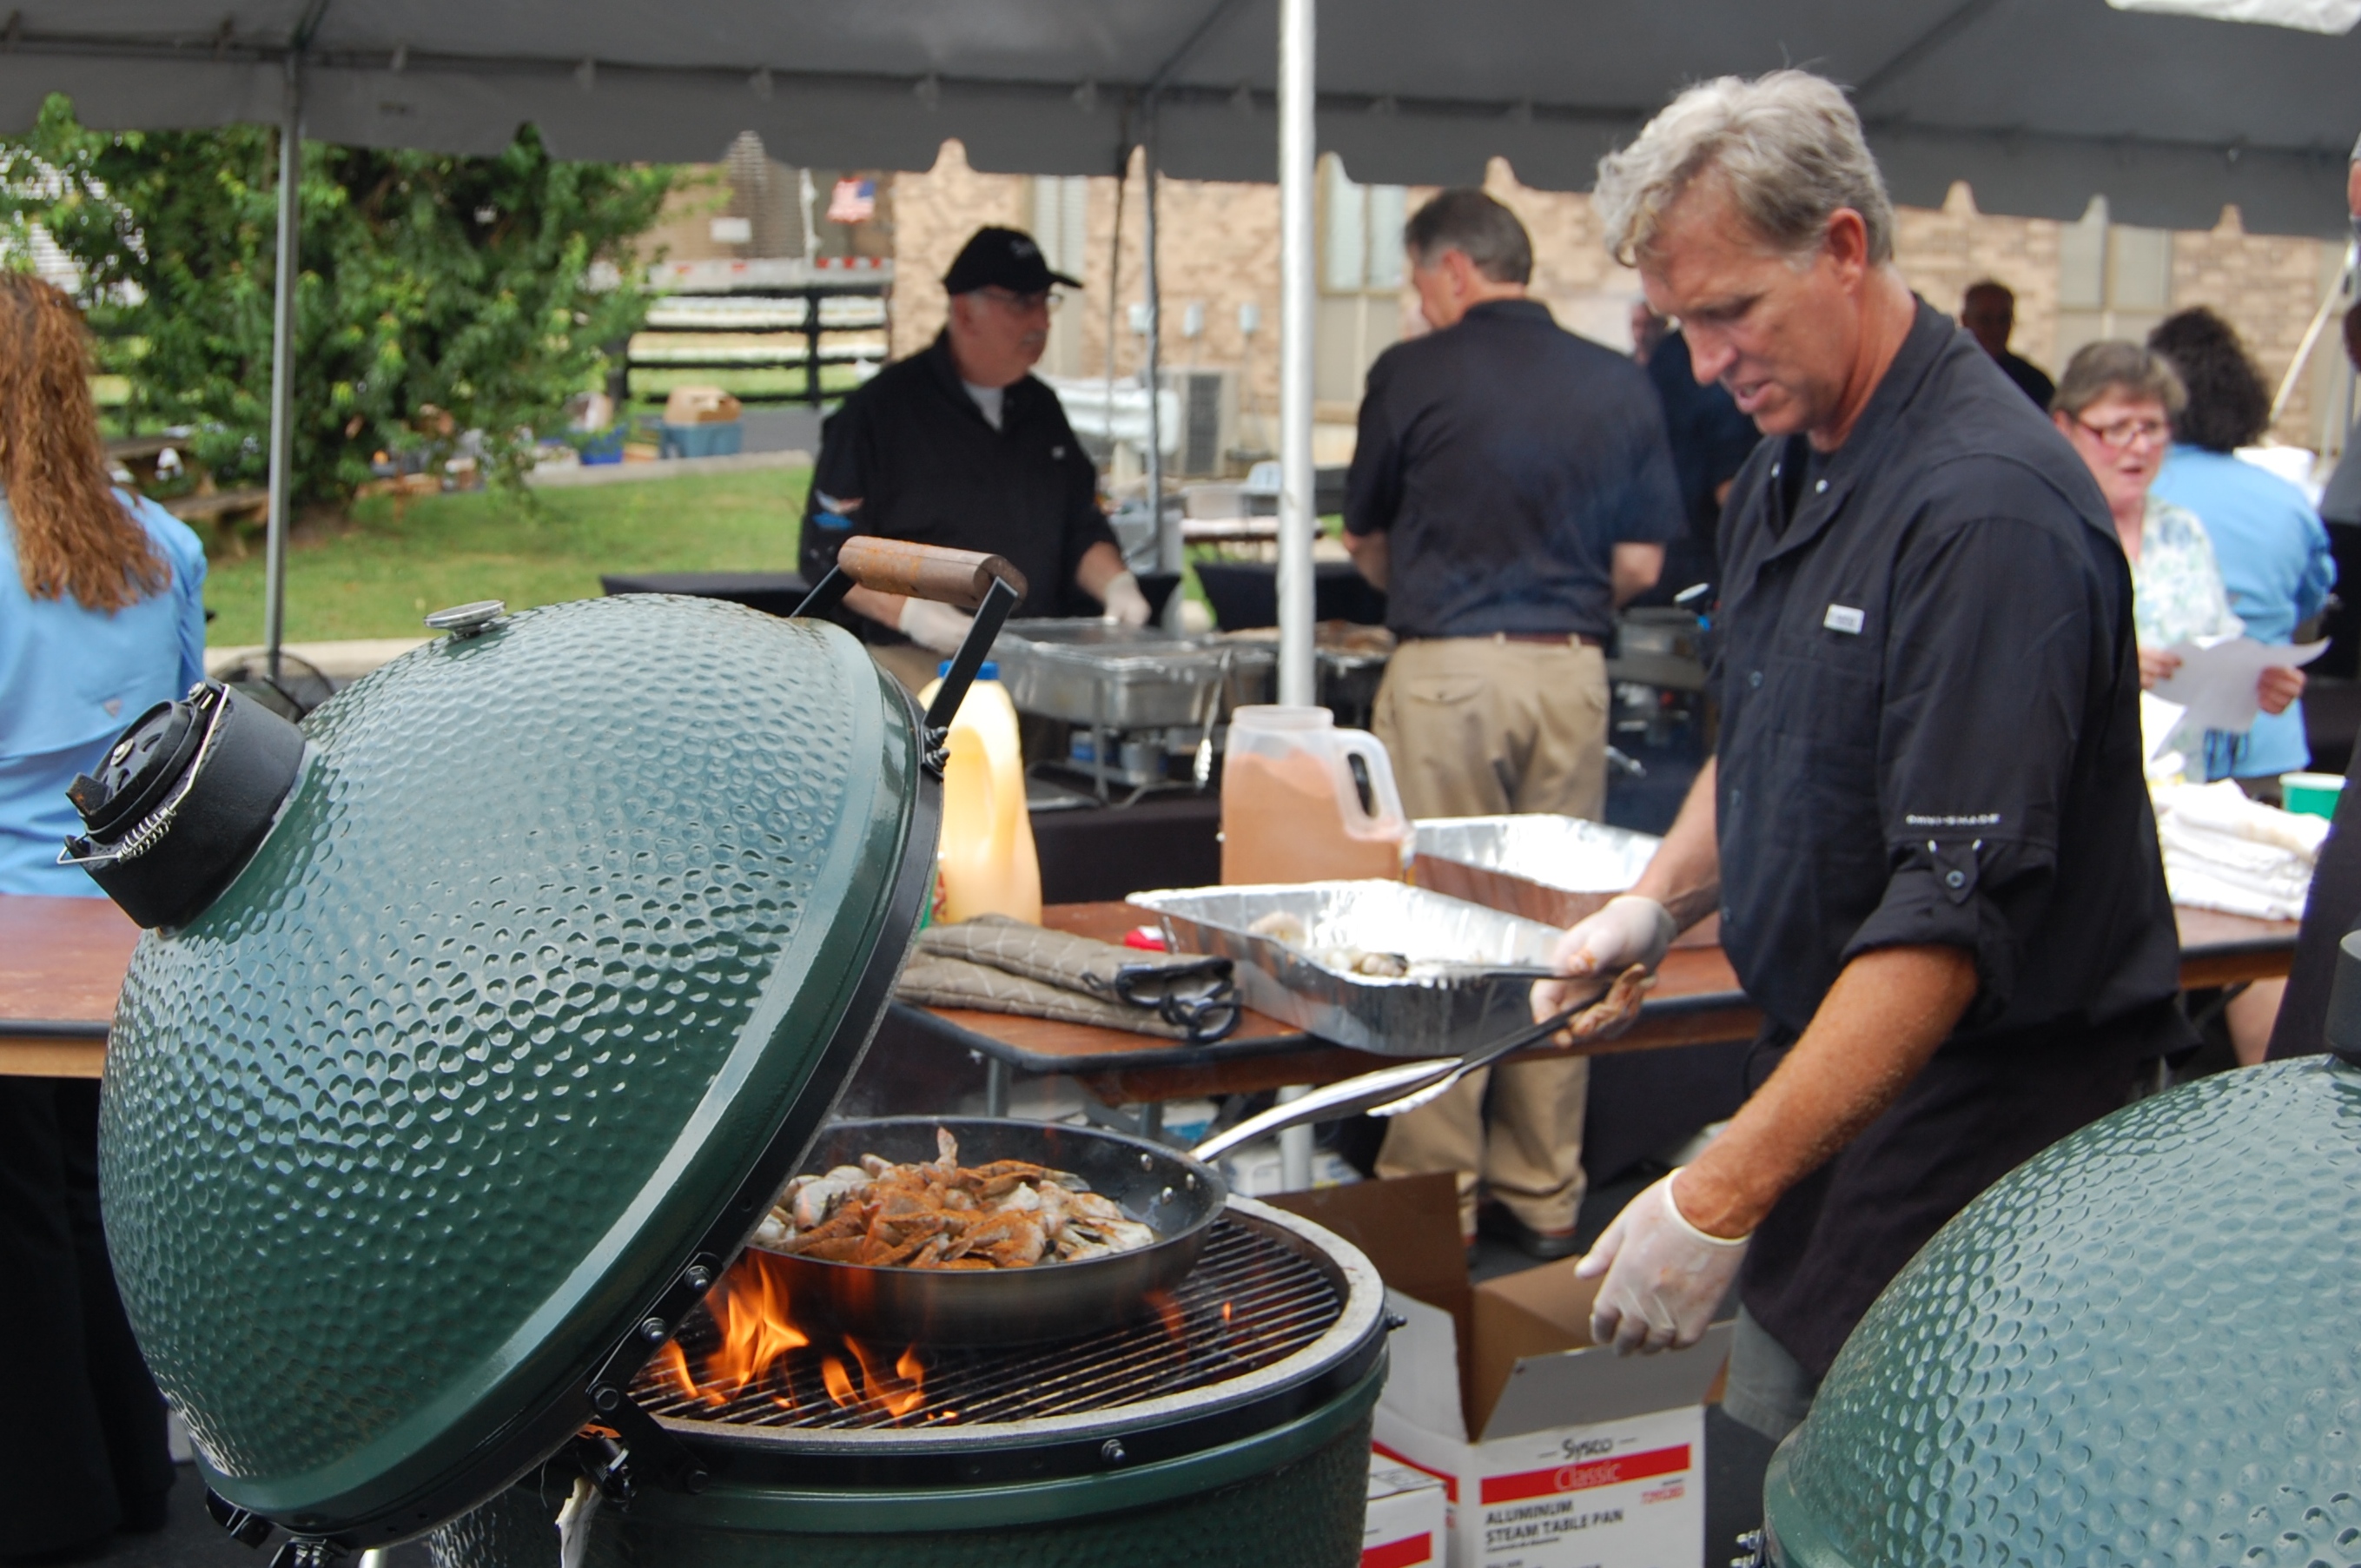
(2274, 556)
(71, 679)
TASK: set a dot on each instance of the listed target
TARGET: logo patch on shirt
(114, 706)
(1058, 453)
(1843, 618)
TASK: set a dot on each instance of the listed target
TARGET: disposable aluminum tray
(1124, 677)
(1414, 1016)
(1556, 870)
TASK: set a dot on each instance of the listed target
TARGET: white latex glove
(934, 626)
(1664, 1277)
(1630, 930)
(1124, 604)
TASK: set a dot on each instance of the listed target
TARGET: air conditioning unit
(1209, 421)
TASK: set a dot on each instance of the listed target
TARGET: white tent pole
(1168, 533)
(284, 285)
(1297, 520)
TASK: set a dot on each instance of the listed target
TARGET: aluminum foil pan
(1556, 870)
(1442, 1007)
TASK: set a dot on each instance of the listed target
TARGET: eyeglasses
(1022, 304)
(2125, 433)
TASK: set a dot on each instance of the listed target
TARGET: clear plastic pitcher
(989, 865)
(1304, 801)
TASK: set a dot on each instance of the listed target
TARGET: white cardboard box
(1579, 1458)
(1406, 1519)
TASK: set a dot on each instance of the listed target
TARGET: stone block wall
(1219, 245)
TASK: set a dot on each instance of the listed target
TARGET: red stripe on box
(1404, 1553)
(1450, 1482)
(1582, 1477)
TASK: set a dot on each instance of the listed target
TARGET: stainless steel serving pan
(1556, 870)
(1173, 1194)
(1125, 677)
(1457, 998)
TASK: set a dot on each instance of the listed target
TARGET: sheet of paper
(2216, 680)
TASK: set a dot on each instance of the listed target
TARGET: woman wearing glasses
(2116, 404)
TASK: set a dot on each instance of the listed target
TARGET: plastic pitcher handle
(1372, 751)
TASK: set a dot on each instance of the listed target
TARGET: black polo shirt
(925, 465)
(1929, 698)
(1930, 736)
(1505, 458)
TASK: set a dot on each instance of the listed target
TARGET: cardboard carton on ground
(1406, 1519)
(1552, 1452)
(700, 405)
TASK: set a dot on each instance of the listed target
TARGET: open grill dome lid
(422, 1133)
(2138, 1346)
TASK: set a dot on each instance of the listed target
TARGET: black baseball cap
(1003, 258)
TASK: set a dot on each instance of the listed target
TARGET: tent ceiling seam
(1918, 50)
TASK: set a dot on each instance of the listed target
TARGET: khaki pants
(1479, 727)
(907, 663)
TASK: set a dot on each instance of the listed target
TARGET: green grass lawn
(376, 577)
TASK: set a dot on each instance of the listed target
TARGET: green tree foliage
(429, 282)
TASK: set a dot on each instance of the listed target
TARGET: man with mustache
(958, 445)
(1925, 826)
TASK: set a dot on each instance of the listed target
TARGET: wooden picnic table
(61, 962)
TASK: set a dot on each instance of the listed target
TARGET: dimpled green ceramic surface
(2139, 1347)
(401, 1133)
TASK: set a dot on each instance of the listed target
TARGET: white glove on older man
(1630, 930)
(1664, 1277)
(1123, 602)
(936, 627)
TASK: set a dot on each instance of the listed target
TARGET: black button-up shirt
(1930, 698)
(925, 465)
(1504, 458)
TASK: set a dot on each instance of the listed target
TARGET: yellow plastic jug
(988, 863)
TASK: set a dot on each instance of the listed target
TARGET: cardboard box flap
(1422, 1384)
(1592, 1385)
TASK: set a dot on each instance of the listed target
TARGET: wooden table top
(1696, 1000)
(61, 962)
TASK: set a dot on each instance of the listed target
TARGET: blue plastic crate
(703, 440)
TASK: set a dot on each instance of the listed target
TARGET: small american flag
(854, 202)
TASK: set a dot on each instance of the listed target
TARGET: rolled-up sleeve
(2001, 651)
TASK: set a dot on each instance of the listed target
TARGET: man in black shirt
(1710, 442)
(959, 446)
(1510, 488)
(1925, 829)
(1988, 310)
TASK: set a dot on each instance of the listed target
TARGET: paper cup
(2314, 795)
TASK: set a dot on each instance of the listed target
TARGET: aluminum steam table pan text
(1124, 677)
(1417, 1016)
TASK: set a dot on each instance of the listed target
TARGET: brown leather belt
(1552, 639)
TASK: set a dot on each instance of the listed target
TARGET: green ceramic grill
(478, 1022)
(2136, 1348)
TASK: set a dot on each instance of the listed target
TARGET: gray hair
(2114, 366)
(1788, 146)
(1480, 229)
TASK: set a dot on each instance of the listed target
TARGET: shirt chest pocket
(1822, 686)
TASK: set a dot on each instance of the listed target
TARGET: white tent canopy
(2039, 104)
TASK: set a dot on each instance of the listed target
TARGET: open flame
(901, 1391)
(756, 1353)
(755, 1329)
(1176, 1323)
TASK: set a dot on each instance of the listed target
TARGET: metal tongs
(1389, 1092)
